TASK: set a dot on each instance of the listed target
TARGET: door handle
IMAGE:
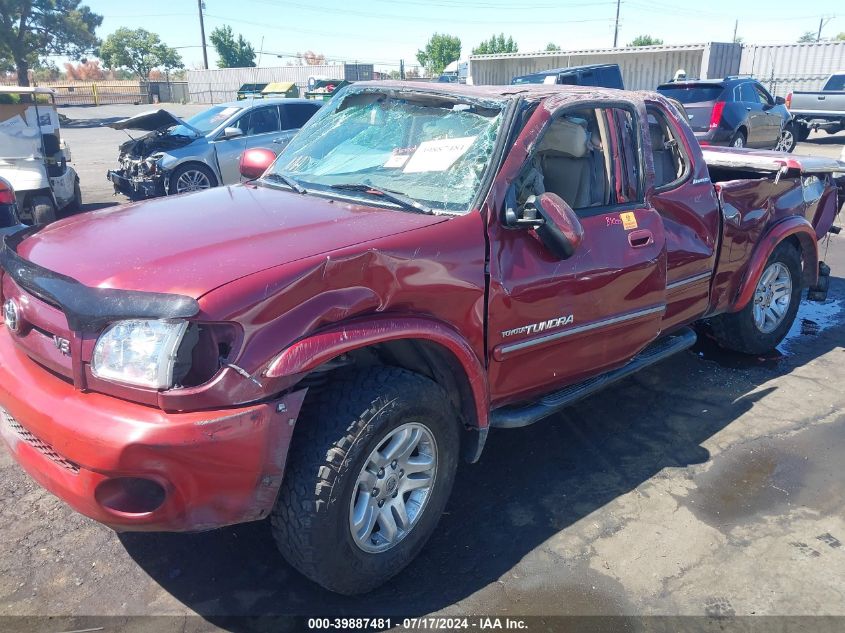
(748, 108)
(640, 238)
(280, 140)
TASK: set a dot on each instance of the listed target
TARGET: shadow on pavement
(530, 484)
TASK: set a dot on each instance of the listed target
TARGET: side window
(571, 160)
(263, 120)
(670, 160)
(295, 115)
(763, 96)
(748, 94)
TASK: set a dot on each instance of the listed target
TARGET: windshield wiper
(396, 197)
(287, 180)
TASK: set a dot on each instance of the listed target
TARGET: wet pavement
(710, 484)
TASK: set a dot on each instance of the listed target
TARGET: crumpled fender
(314, 350)
(794, 225)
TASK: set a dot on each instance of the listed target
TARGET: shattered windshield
(431, 149)
(205, 121)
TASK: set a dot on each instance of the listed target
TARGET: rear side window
(671, 163)
(295, 115)
(836, 82)
(746, 93)
(691, 93)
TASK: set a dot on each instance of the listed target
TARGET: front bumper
(215, 468)
(137, 188)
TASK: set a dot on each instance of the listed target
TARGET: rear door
(757, 122)
(774, 120)
(294, 116)
(553, 322)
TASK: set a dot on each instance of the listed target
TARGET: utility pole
(616, 30)
(202, 32)
(822, 21)
(401, 69)
(736, 25)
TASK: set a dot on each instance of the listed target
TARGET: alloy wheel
(772, 297)
(786, 141)
(393, 487)
(192, 180)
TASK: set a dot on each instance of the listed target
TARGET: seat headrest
(565, 137)
(658, 139)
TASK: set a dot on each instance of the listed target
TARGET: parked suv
(734, 111)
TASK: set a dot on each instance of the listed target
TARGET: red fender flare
(806, 234)
(314, 350)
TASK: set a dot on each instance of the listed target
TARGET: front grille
(42, 447)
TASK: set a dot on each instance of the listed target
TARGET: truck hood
(150, 121)
(194, 243)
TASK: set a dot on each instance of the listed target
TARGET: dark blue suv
(734, 111)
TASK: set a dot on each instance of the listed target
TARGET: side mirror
(254, 162)
(555, 223)
(780, 101)
(231, 132)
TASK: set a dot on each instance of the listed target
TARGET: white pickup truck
(823, 110)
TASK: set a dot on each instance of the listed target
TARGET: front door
(554, 322)
(260, 127)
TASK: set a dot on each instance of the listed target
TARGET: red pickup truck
(423, 262)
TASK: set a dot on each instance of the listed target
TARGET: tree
(551, 47)
(808, 36)
(646, 40)
(139, 51)
(439, 52)
(840, 37)
(88, 70)
(231, 53)
(31, 30)
(313, 59)
(496, 44)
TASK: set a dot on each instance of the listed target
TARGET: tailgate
(830, 102)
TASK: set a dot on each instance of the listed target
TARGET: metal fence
(107, 92)
(781, 67)
(217, 85)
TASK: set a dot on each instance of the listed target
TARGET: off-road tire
(336, 432)
(802, 132)
(738, 135)
(737, 331)
(43, 210)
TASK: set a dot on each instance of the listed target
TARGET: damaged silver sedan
(177, 156)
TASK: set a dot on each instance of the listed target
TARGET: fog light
(130, 495)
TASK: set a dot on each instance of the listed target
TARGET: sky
(385, 31)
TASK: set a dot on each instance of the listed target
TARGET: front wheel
(764, 322)
(788, 138)
(43, 210)
(368, 476)
(193, 177)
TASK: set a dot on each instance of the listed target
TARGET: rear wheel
(788, 138)
(802, 132)
(43, 210)
(368, 476)
(763, 323)
(738, 139)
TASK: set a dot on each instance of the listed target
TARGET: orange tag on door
(629, 220)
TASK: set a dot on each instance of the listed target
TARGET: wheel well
(194, 163)
(804, 245)
(742, 130)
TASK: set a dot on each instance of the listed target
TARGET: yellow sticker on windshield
(629, 220)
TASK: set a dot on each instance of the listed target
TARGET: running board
(523, 415)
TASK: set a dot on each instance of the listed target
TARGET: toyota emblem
(11, 315)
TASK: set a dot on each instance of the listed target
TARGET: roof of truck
(528, 91)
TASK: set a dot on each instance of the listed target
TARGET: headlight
(139, 352)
